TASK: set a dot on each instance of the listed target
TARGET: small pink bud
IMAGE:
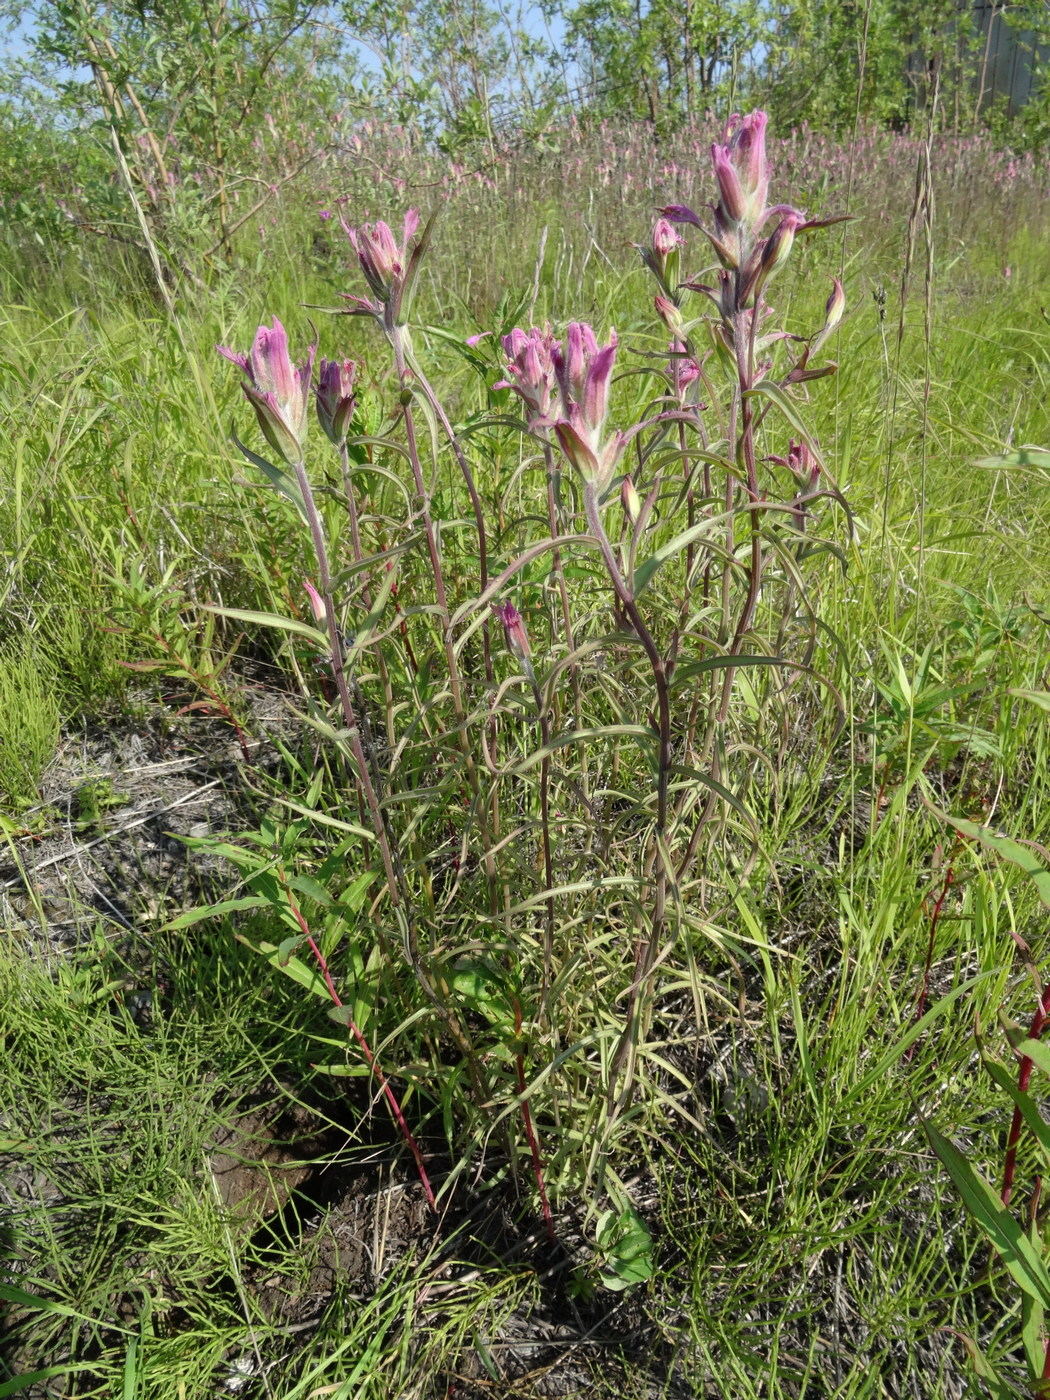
(516, 637)
(834, 307)
(316, 602)
(335, 398)
(670, 315)
(630, 500)
(666, 238)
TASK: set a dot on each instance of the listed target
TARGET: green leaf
(215, 911)
(773, 392)
(1035, 697)
(1009, 1241)
(691, 669)
(914, 1031)
(281, 482)
(1033, 1119)
(1006, 848)
(306, 884)
(1032, 1333)
(10, 1294)
(1037, 1051)
(1023, 457)
(307, 977)
(1000, 1390)
(12, 1387)
(479, 987)
(645, 572)
(265, 619)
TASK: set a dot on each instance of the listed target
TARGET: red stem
(935, 918)
(530, 1131)
(1024, 1076)
(373, 1063)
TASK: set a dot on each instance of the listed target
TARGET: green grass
(807, 1242)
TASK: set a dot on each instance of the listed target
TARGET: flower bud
(335, 398)
(316, 603)
(276, 389)
(666, 238)
(670, 315)
(834, 307)
(516, 638)
(630, 500)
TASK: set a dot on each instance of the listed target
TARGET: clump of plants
(538, 634)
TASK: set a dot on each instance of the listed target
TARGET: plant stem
(452, 664)
(366, 1050)
(646, 949)
(530, 1130)
(1024, 1076)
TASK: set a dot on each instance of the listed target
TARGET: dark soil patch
(104, 845)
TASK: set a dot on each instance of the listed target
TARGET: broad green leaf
(1023, 457)
(1006, 848)
(306, 884)
(1009, 1241)
(1032, 1314)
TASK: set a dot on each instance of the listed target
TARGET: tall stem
(338, 662)
(451, 662)
(395, 882)
(646, 950)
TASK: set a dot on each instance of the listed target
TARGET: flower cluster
(279, 391)
(741, 172)
(386, 265)
(566, 388)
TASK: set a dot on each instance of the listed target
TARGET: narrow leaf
(1007, 1238)
(265, 619)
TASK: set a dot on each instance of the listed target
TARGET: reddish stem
(530, 1131)
(373, 1063)
(935, 918)
(1024, 1076)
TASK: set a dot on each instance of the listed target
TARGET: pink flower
(583, 370)
(276, 389)
(335, 398)
(530, 371)
(383, 260)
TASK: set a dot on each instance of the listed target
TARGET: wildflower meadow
(523, 763)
